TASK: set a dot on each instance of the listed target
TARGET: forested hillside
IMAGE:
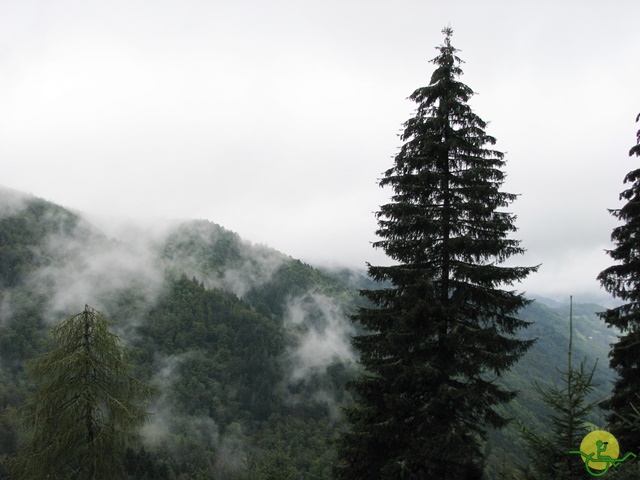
(543, 365)
(249, 349)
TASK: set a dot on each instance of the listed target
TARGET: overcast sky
(276, 118)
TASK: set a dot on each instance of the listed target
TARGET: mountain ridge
(249, 348)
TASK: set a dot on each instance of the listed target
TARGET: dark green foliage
(306, 443)
(548, 451)
(29, 223)
(445, 328)
(275, 464)
(236, 351)
(231, 370)
(140, 464)
(294, 278)
(222, 363)
(202, 247)
(635, 150)
(22, 335)
(542, 366)
(622, 281)
(227, 358)
(85, 407)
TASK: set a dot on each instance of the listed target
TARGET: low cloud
(322, 334)
(259, 265)
(159, 427)
(90, 269)
(167, 423)
(12, 201)
(218, 257)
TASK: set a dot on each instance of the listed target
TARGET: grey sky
(276, 118)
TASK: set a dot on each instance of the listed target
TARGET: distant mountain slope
(249, 348)
(28, 228)
(591, 340)
(543, 365)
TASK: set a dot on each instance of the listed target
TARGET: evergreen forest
(182, 351)
(248, 349)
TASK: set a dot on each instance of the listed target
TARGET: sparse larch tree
(622, 280)
(445, 327)
(569, 425)
(86, 405)
(549, 452)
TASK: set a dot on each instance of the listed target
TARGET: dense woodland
(227, 399)
(228, 403)
(185, 352)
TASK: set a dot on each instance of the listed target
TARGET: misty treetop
(446, 326)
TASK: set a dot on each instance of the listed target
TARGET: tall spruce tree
(622, 280)
(86, 406)
(444, 329)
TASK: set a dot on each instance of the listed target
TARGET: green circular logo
(600, 451)
(601, 448)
